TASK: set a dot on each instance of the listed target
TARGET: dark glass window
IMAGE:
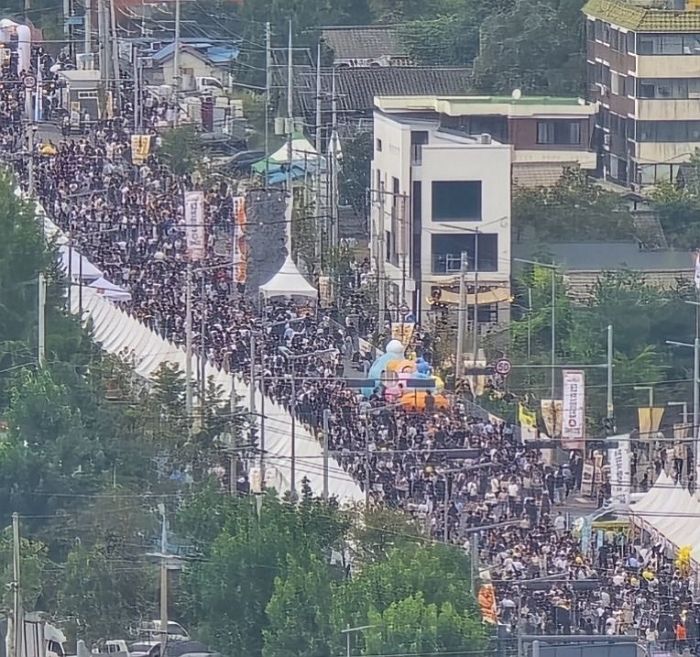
(456, 200)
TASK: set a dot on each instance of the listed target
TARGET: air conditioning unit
(606, 140)
(484, 138)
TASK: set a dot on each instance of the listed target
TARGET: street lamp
(696, 390)
(650, 390)
(684, 411)
(461, 319)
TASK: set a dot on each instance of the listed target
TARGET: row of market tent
(669, 512)
(78, 268)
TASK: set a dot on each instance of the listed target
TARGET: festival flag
(240, 248)
(194, 225)
(140, 148)
(697, 270)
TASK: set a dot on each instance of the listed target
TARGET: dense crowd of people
(468, 479)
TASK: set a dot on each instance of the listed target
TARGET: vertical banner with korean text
(620, 462)
(194, 225)
(240, 220)
(573, 430)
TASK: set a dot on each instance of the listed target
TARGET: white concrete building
(434, 193)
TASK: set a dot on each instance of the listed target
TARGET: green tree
(536, 47)
(355, 181)
(105, 590)
(34, 563)
(575, 208)
(413, 626)
(299, 612)
(226, 595)
(677, 205)
(180, 149)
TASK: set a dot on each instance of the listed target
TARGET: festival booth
(288, 282)
(665, 513)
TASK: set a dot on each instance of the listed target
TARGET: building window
(668, 131)
(559, 132)
(378, 145)
(418, 139)
(456, 200)
(669, 88)
(447, 252)
(668, 44)
(631, 45)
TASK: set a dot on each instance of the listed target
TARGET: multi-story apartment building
(435, 192)
(546, 134)
(643, 62)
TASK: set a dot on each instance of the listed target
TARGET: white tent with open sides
(288, 282)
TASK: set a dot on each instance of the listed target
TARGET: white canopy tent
(71, 261)
(667, 510)
(288, 282)
(110, 290)
(302, 149)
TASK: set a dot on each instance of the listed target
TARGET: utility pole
(101, 42)
(462, 315)
(293, 450)
(252, 373)
(334, 163)
(475, 325)
(87, 26)
(202, 350)
(41, 341)
(188, 343)
(17, 634)
(290, 119)
(326, 431)
(30, 147)
(268, 58)
(381, 283)
(163, 582)
(176, 62)
(319, 158)
(610, 406)
(696, 405)
(116, 98)
(553, 321)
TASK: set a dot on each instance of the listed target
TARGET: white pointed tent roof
(288, 282)
(71, 262)
(110, 290)
(302, 149)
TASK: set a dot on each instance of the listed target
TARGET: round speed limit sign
(503, 367)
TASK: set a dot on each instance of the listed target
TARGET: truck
(37, 639)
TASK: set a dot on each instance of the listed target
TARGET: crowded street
(465, 477)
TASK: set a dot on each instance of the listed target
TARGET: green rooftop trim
(643, 19)
(509, 100)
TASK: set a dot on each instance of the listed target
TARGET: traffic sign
(503, 367)
(29, 82)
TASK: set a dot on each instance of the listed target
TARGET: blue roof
(215, 54)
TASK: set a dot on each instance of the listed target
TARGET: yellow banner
(551, 410)
(140, 148)
(402, 331)
(649, 421)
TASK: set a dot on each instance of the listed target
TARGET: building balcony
(664, 66)
(668, 109)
